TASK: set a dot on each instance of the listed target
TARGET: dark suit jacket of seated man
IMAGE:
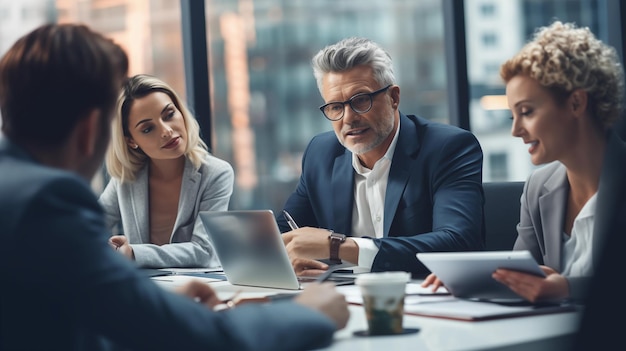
(433, 202)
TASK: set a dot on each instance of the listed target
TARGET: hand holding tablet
(468, 274)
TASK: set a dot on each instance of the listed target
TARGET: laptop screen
(249, 246)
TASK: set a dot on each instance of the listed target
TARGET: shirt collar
(589, 208)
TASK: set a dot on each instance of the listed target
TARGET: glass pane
(149, 30)
(265, 98)
(495, 31)
(19, 17)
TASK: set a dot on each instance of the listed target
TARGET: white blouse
(578, 247)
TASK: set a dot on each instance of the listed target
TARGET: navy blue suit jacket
(64, 288)
(434, 198)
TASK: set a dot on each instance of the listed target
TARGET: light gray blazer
(206, 189)
(542, 211)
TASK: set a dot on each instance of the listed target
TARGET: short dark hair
(54, 76)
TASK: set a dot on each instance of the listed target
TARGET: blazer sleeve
(540, 227)
(105, 295)
(455, 186)
(526, 234)
(193, 249)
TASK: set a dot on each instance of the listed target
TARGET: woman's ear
(131, 143)
(578, 100)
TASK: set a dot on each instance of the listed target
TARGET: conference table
(536, 332)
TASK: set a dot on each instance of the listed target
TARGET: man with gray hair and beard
(384, 185)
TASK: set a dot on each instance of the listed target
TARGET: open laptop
(249, 246)
(468, 274)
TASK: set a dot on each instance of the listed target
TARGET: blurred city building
(264, 97)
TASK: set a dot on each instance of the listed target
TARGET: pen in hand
(290, 221)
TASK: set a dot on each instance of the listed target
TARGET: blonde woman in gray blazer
(161, 176)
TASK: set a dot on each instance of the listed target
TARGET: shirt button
(377, 218)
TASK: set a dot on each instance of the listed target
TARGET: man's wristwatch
(336, 239)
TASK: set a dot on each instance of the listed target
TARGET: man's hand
(120, 244)
(200, 292)
(532, 287)
(325, 298)
(306, 245)
(308, 267)
(307, 242)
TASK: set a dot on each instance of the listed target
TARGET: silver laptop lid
(249, 246)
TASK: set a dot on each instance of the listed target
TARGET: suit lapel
(189, 191)
(553, 202)
(342, 184)
(407, 146)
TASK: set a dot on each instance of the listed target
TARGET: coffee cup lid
(382, 277)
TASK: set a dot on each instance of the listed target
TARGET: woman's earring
(135, 146)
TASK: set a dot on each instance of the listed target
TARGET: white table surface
(434, 333)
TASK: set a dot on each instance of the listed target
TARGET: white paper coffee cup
(383, 300)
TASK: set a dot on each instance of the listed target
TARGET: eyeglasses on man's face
(359, 103)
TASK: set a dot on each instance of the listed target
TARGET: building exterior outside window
(263, 95)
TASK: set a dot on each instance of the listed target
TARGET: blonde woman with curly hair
(564, 89)
(162, 176)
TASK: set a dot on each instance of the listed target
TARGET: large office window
(515, 24)
(265, 98)
(19, 17)
(149, 30)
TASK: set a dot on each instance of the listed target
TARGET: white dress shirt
(578, 247)
(368, 212)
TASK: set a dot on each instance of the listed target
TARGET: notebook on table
(250, 248)
(468, 274)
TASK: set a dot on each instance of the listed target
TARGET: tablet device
(468, 274)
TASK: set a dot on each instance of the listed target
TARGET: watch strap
(336, 240)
